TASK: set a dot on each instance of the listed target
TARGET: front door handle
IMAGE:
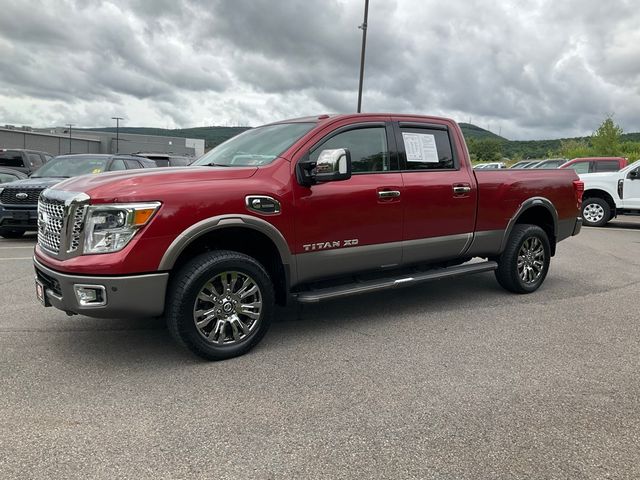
(461, 190)
(388, 194)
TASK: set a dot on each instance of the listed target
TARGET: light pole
(117, 119)
(363, 27)
(70, 125)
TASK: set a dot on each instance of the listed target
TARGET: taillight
(578, 188)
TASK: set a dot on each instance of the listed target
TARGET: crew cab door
(356, 224)
(440, 193)
(631, 189)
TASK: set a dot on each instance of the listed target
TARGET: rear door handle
(461, 190)
(388, 194)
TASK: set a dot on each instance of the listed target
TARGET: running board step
(315, 296)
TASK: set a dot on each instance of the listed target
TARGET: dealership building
(59, 141)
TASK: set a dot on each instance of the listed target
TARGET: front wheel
(596, 212)
(524, 264)
(220, 304)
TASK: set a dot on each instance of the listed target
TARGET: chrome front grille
(50, 224)
(61, 218)
(77, 228)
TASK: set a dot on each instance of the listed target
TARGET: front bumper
(130, 296)
(19, 218)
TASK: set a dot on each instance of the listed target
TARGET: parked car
(551, 163)
(532, 164)
(308, 209)
(521, 164)
(10, 175)
(596, 164)
(491, 165)
(610, 194)
(25, 161)
(19, 199)
(167, 159)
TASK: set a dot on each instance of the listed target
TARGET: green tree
(573, 148)
(606, 139)
(630, 150)
(485, 149)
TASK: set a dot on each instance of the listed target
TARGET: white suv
(609, 194)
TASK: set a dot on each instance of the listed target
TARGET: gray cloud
(532, 70)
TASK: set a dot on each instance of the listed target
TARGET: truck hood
(112, 184)
(599, 176)
(33, 183)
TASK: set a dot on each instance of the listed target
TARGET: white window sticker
(420, 147)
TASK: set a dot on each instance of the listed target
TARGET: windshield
(255, 147)
(72, 167)
(632, 166)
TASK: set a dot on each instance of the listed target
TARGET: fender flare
(220, 222)
(526, 205)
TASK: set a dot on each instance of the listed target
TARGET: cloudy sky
(536, 69)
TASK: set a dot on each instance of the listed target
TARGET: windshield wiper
(216, 165)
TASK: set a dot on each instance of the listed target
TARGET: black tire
(596, 212)
(10, 233)
(184, 296)
(509, 272)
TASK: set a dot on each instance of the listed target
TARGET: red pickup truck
(307, 209)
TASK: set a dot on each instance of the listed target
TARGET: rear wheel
(10, 233)
(524, 264)
(596, 212)
(220, 304)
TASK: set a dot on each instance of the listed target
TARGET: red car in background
(596, 164)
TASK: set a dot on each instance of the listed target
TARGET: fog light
(90, 295)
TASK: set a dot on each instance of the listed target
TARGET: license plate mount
(41, 294)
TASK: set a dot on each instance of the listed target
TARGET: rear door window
(607, 166)
(11, 159)
(426, 148)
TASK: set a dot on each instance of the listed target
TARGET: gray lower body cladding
(129, 296)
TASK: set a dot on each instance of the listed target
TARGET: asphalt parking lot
(453, 379)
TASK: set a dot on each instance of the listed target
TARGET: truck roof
(338, 116)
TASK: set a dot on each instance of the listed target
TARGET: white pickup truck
(609, 194)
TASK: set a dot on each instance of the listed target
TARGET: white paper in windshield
(420, 147)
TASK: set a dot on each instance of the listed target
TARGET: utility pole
(117, 119)
(70, 125)
(363, 27)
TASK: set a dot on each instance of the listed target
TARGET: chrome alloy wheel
(593, 213)
(228, 307)
(531, 260)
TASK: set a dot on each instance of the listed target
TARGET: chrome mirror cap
(332, 165)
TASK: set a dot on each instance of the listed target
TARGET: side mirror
(634, 174)
(332, 165)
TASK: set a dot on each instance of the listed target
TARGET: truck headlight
(109, 228)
